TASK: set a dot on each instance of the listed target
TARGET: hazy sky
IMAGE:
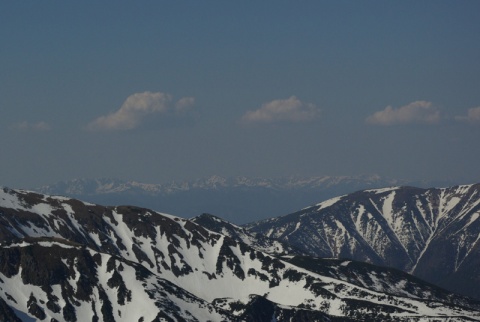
(173, 90)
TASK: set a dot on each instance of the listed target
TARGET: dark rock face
(7, 313)
(64, 260)
(260, 309)
(432, 233)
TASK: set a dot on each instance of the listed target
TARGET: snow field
(140, 305)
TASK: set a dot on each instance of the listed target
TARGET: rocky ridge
(66, 260)
(432, 233)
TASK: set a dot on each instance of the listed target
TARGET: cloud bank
(139, 106)
(282, 110)
(415, 112)
(473, 116)
(26, 126)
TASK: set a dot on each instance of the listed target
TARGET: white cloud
(283, 110)
(184, 104)
(26, 126)
(136, 107)
(415, 112)
(473, 116)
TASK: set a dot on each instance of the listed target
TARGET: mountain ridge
(431, 233)
(203, 273)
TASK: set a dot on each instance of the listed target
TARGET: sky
(155, 91)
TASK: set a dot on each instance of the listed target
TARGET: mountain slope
(257, 241)
(54, 279)
(65, 252)
(432, 233)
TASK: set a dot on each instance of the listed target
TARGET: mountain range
(431, 233)
(238, 200)
(62, 259)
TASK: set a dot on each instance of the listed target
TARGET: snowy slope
(432, 233)
(84, 262)
(68, 282)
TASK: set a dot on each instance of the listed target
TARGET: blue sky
(167, 90)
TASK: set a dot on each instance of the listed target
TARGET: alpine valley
(62, 259)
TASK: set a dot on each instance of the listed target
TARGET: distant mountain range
(239, 200)
(66, 260)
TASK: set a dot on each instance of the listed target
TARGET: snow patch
(328, 203)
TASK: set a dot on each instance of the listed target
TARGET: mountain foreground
(66, 260)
